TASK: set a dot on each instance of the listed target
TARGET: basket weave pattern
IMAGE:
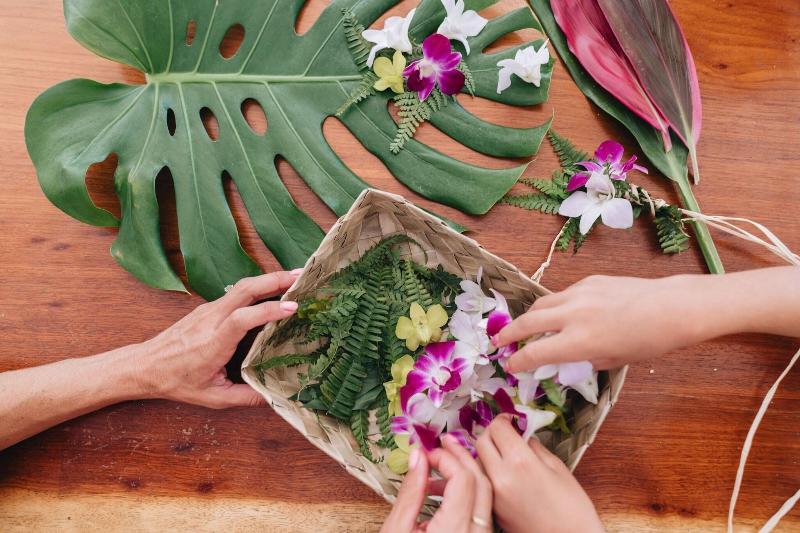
(372, 217)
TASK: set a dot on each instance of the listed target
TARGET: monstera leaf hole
(100, 184)
(171, 124)
(210, 123)
(168, 218)
(303, 195)
(247, 233)
(232, 41)
(308, 15)
(254, 115)
(191, 31)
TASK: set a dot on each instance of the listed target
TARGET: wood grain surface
(666, 457)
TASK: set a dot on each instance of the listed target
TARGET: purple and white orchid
(598, 201)
(438, 67)
(579, 376)
(472, 341)
(438, 371)
(608, 161)
(498, 319)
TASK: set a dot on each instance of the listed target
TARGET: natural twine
(772, 243)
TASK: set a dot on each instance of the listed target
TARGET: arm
(613, 321)
(184, 363)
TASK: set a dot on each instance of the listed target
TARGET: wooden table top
(667, 455)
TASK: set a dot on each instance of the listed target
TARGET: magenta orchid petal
(504, 402)
(416, 382)
(497, 321)
(591, 166)
(437, 46)
(440, 352)
(452, 383)
(426, 436)
(436, 395)
(577, 181)
(451, 81)
(609, 152)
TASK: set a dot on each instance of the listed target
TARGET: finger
(529, 325)
(546, 456)
(548, 301)
(244, 319)
(403, 518)
(506, 439)
(483, 488)
(436, 486)
(231, 395)
(458, 500)
(544, 351)
(250, 290)
(489, 455)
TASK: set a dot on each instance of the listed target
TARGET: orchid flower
(422, 422)
(421, 326)
(393, 35)
(527, 387)
(579, 376)
(460, 24)
(472, 342)
(397, 460)
(390, 73)
(526, 65)
(438, 371)
(598, 201)
(484, 380)
(475, 417)
(608, 160)
(438, 66)
(400, 371)
(530, 420)
(473, 300)
(497, 320)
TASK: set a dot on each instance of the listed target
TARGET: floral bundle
(426, 76)
(410, 346)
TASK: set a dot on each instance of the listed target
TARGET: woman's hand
(610, 322)
(533, 490)
(186, 363)
(466, 491)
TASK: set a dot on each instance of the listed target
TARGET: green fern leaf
(568, 234)
(361, 92)
(671, 230)
(294, 359)
(413, 112)
(469, 80)
(552, 188)
(534, 202)
(358, 46)
(568, 154)
(359, 424)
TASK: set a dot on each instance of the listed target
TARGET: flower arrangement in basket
(390, 348)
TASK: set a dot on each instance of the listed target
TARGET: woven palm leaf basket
(374, 216)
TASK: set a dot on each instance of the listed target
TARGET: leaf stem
(190, 77)
(704, 239)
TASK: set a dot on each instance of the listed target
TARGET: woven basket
(376, 215)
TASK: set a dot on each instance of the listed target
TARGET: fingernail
(289, 307)
(494, 341)
(451, 440)
(296, 272)
(413, 460)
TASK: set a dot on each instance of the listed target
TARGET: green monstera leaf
(298, 80)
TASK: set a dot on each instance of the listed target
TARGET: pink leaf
(654, 43)
(592, 41)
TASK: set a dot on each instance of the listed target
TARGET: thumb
(232, 395)
(403, 518)
(543, 351)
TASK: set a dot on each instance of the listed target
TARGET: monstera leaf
(298, 80)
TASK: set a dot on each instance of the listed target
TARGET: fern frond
(384, 419)
(362, 91)
(568, 154)
(671, 230)
(568, 233)
(469, 79)
(534, 202)
(413, 288)
(552, 188)
(294, 359)
(358, 46)
(359, 424)
(413, 112)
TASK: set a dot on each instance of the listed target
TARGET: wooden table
(665, 458)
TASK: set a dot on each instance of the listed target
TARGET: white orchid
(460, 24)
(393, 35)
(473, 300)
(527, 65)
(472, 342)
(598, 201)
(579, 376)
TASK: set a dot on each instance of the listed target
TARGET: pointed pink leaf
(653, 41)
(593, 42)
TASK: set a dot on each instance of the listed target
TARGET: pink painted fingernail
(289, 307)
(494, 341)
(413, 460)
(296, 272)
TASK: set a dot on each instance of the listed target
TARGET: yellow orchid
(390, 73)
(422, 327)
(400, 370)
(398, 458)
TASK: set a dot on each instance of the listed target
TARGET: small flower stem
(701, 232)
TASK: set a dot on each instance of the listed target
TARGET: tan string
(748, 443)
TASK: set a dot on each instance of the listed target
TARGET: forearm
(34, 399)
(762, 301)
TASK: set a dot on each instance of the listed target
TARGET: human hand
(533, 490)
(186, 362)
(466, 491)
(609, 321)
